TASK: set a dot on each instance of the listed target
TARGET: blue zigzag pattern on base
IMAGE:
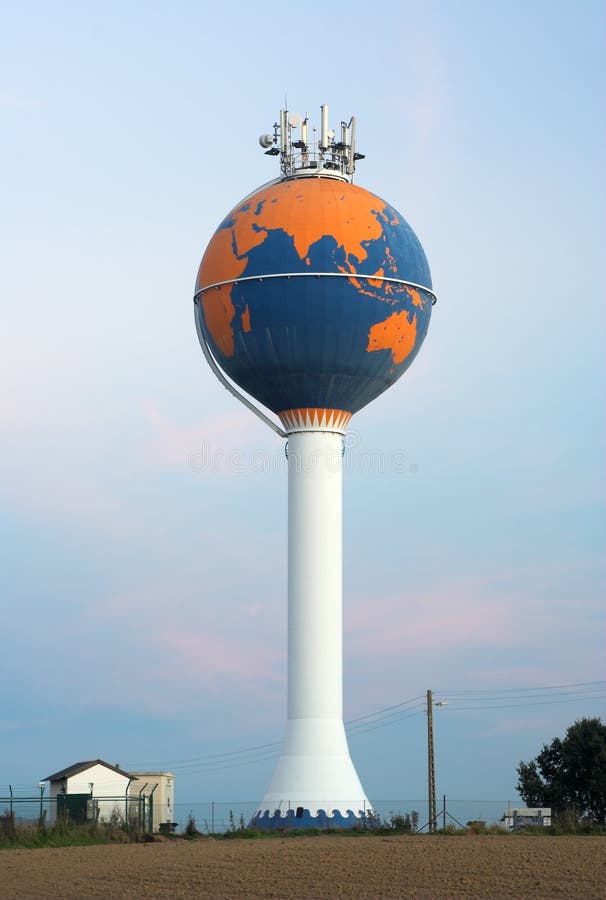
(302, 818)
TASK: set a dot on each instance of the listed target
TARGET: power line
(531, 703)
(219, 766)
(386, 709)
(247, 756)
(212, 756)
(383, 723)
(351, 725)
(544, 687)
(390, 715)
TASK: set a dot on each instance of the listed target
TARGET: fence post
(212, 817)
(150, 801)
(130, 781)
(41, 785)
(444, 811)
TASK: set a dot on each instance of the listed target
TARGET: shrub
(399, 823)
(191, 829)
(7, 824)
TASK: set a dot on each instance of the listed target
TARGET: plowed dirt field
(314, 868)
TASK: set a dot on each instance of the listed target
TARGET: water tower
(313, 297)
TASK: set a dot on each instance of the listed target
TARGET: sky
(143, 510)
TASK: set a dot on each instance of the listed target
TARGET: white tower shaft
(315, 771)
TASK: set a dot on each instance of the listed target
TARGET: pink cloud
(51, 491)
(227, 443)
(514, 724)
(546, 673)
(441, 617)
(424, 105)
(182, 645)
(46, 382)
(200, 655)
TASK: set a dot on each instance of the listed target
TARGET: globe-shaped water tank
(314, 293)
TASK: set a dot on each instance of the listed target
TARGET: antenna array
(325, 156)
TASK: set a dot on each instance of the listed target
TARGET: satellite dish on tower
(266, 140)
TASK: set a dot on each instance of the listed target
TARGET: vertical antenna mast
(328, 157)
(324, 128)
(351, 164)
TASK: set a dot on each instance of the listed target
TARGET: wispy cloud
(442, 616)
(13, 100)
(210, 649)
(218, 444)
(516, 724)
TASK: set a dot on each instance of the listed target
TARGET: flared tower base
(315, 783)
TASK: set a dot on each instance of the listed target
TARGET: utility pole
(431, 771)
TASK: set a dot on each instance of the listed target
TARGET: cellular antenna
(324, 128)
(327, 158)
(351, 161)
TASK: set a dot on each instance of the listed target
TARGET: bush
(191, 829)
(7, 825)
(399, 823)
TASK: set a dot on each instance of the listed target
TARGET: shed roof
(78, 767)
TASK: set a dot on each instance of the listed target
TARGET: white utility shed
(89, 790)
(158, 788)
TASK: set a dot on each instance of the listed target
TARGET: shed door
(72, 807)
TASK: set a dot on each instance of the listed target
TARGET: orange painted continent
(396, 333)
(305, 209)
(218, 314)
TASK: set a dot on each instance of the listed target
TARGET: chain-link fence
(217, 817)
(25, 807)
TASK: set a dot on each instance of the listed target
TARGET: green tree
(569, 775)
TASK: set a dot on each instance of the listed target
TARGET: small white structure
(154, 793)
(520, 818)
(89, 790)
